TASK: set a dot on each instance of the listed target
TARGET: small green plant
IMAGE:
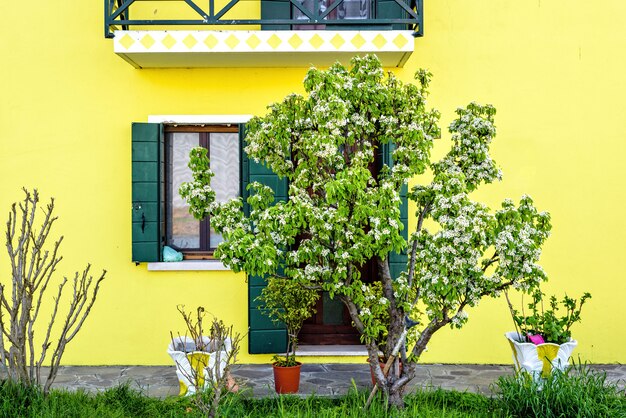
(284, 361)
(547, 323)
(290, 303)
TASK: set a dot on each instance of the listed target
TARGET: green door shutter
(265, 336)
(147, 191)
(275, 9)
(397, 261)
(389, 9)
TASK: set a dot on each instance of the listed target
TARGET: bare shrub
(33, 264)
(207, 359)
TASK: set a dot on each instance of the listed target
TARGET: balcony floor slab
(210, 48)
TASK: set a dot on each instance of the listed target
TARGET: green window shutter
(264, 336)
(389, 9)
(147, 191)
(397, 261)
(275, 9)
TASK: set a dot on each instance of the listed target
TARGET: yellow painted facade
(554, 71)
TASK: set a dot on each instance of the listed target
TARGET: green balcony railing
(276, 15)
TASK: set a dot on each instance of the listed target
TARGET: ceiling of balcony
(209, 48)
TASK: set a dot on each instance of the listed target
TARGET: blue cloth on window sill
(170, 254)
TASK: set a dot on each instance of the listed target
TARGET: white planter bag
(539, 360)
(196, 367)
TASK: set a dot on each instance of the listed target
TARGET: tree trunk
(395, 382)
(396, 398)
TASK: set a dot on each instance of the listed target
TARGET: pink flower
(536, 339)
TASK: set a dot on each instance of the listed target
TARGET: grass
(437, 403)
(17, 400)
(122, 401)
(578, 393)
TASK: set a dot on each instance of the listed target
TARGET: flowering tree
(343, 209)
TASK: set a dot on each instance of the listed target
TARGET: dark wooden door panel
(331, 325)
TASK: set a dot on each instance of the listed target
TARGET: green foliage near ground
(437, 403)
(578, 393)
(123, 401)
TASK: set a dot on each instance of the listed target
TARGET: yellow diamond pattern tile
(316, 41)
(266, 42)
(127, 41)
(210, 41)
(168, 41)
(147, 41)
(295, 41)
(379, 41)
(358, 41)
(232, 41)
(337, 41)
(190, 41)
(400, 41)
(253, 41)
(274, 41)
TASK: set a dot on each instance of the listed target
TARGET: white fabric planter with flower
(195, 368)
(539, 360)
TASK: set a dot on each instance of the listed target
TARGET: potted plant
(288, 302)
(202, 360)
(542, 341)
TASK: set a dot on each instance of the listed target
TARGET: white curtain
(347, 9)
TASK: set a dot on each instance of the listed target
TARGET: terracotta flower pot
(382, 367)
(287, 379)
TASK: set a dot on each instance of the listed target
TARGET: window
(347, 9)
(351, 12)
(197, 239)
(160, 154)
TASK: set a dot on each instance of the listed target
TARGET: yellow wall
(553, 70)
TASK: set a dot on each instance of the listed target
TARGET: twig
(508, 301)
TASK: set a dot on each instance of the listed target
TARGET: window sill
(189, 265)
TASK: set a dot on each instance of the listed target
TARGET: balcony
(261, 33)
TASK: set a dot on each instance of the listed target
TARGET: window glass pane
(347, 9)
(352, 9)
(224, 156)
(183, 230)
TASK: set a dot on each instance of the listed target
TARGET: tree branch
(494, 258)
(413, 252)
